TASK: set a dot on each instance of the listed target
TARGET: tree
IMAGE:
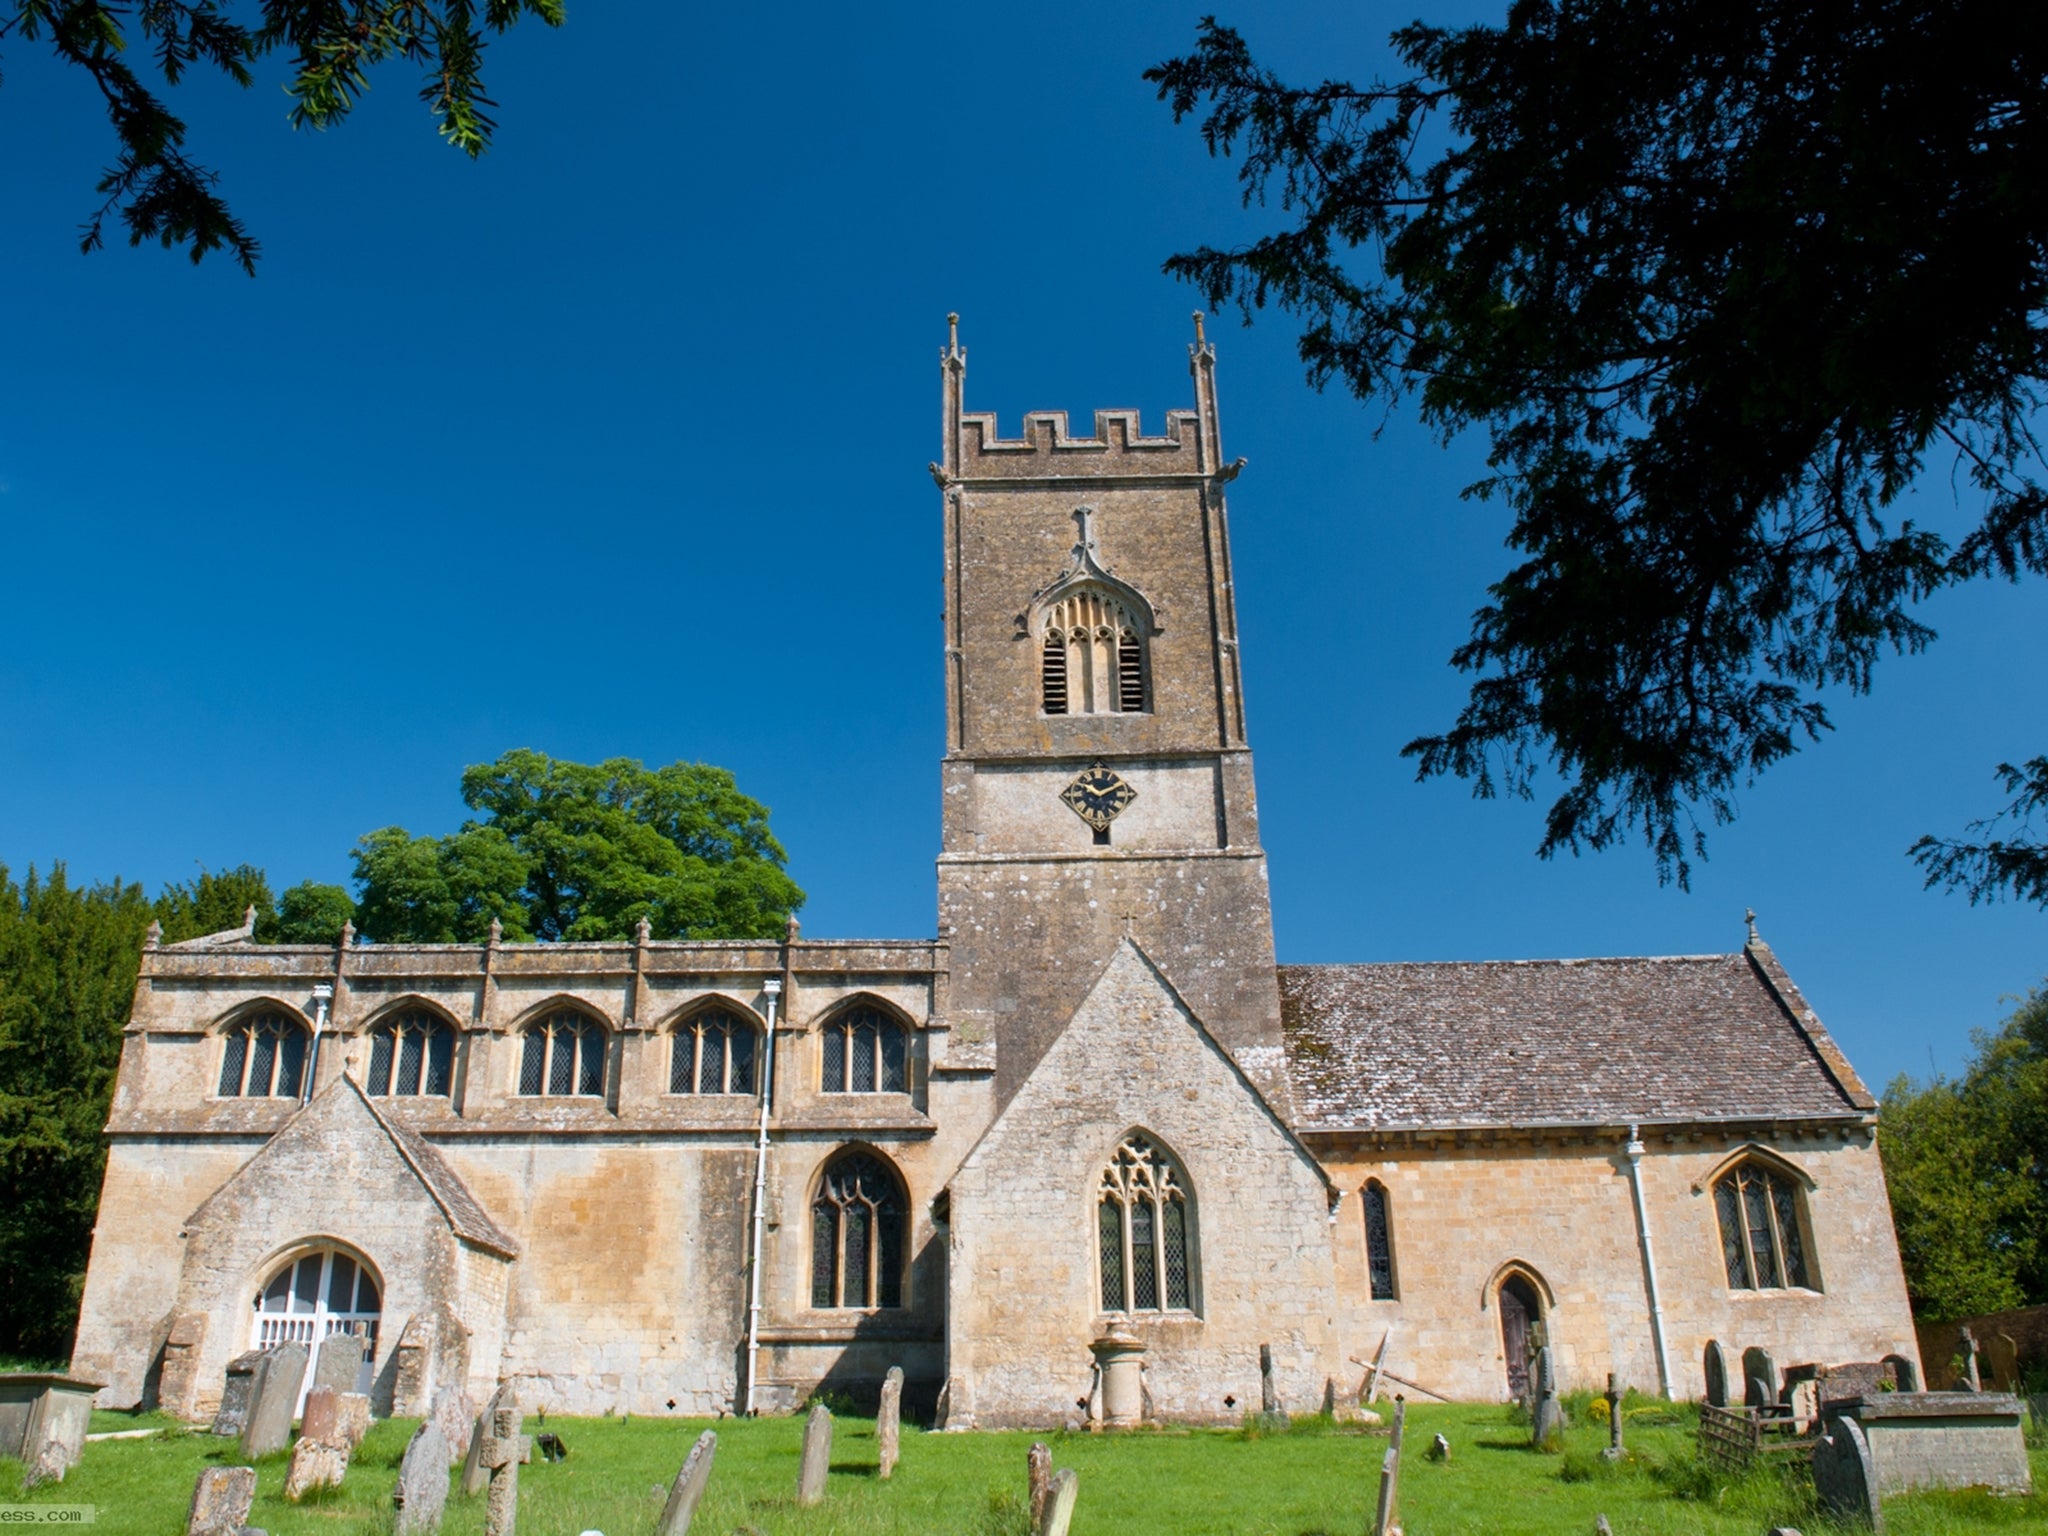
(574, 851)
(154, 187)
(1719, 283)
(1966, 1162)
(308, 913)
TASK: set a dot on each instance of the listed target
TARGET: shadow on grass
(856, 1469)
(1511, 1445)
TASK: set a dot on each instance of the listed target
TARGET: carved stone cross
(500, 1454)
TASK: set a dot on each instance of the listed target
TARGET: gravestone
(314, 1464)
(43, 1419)
(220, 1501)
(1759, 1379)
(320, 1419)
(1269, 1391)
(422, 1491)
(1059, 1503)
(1717, 1374)
(1844, 1476)
(1329, 1397)
(889, 1421)
(1038, 1468)
(475, 1475)
(1971, 1380)
(340, 1362)
(500, 1456)
(1905, 1374)
(817, 1459)
(688, 1488)
(1547, 1417)
(455, 1413)
(2003, 1354)
(273, 1400)
(1386, 1518)
(237, 1388)
(1615, 1450)
(352, 1419)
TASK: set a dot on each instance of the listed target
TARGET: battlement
(976, 450)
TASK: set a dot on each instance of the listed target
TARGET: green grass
(1314, 1480)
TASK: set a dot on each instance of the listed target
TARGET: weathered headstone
(1844, 1476)
(455, 1413)
(1059, 1503)
(475, 1475)
(817, 1459)
(1759, 1378)
(352, 1418)
(1386, 1518)
(1905, 1374)
(422, 1491)
(688, 1488)
(237, 1387)
(220, 1501)
(500, 1455)
(1329, 1397)
(889, 1422)
(1269, 1390)
(1971, 1380)
(314, 1464)
(1038, 1468)
(1439, 1449)
(49, 1413)
(1717, 1374)
(340, 1362)
(1802, 1396)
(320, 1418)
(273, 1400)
(1615, 1450)
(2003, 1355)
(1546, 1419)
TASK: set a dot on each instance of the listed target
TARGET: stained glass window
(413, 1055)
(1379, 1246)
(858, 1234)
(1144, 1232)
(564, 1057)
(863, 1050)
(1762, 1246)
(263, 1057)
(713, 1053)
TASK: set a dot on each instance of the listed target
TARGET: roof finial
(497, 931)
(791, 929)
(153, 935)
(953, 332)
(249, 918)
(1084, 546)
(1199, 337)
(1749, 917)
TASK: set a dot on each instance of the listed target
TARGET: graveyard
(1313, 1476)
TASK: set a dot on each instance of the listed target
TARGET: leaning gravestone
(455, 1413)
(340, 1362)
(500, 1455)
(1386, 1516)
(273, 1398)
(351, 1418)
(320, 1419)
(889, 1422)
(810, 1477)
(422, 1491)
(1717, 1374)
(1038, 1469)
(220, 1501)
(1845, 1477)
(235, 1392)
(1059, 1503)
(314, 1464)
(688, 1488)
(475, 1475)
(1759, 1378)
(1547, 1419)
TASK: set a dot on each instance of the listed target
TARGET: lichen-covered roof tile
(1553, 1042)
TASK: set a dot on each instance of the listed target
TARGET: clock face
(1098, 796)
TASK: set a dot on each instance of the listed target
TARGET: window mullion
(1778, 1280)
(1123, 1211)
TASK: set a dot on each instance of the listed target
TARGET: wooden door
(1519, 1307)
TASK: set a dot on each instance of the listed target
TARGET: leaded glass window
(263, 1057)
(864, 1051)
(1144, 1233)
(412, 1056)
(563, 1057)
(858, 1234)
(713, 1053)
(1379, 1245)
(1761, 1244)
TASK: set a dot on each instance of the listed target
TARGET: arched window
(564, 1057)
(713, 1053)
(317, 1296)
(1093, 657)
(1379, 1241)
(413, 1055)
(858, 1226)
(1144, 1245)
(263, 1057)
(863, 1050)
(1762, 1244)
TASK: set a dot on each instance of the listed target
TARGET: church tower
(1097, 780)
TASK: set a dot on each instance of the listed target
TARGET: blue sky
(613, 444)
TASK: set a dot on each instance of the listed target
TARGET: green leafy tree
(574, 851)
(308, 913)
(154, 187)
(1718, 283)
(214, 903)
(1967, 1165)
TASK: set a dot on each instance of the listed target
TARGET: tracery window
(713, 1053)
(413, 1055)
(1379, 1243)
(1093, 657)
(863, 1050)
(326, 1300)
(1144, 1248)
(263, 1057)
(1762, 1244)
(858, 1227)
(563, 1057)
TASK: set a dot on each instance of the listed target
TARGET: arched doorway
(1521, 1309)
(318, 1295)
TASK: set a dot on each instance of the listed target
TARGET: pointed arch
(413, 1041)
(715, 1045)
(1376, 1208)
(1529, 1273)
(1094, 637)
(265, 1050)
(864, 1046)
(1145, 1251)
(565, 1050)
(860, 1231)
(1757, 1152)
(1760, 1212)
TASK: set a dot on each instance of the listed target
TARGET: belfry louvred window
(1143, 1235)
(563, 1056)
(1092, 661)
(263, 1057)
(858, 1231)
(1762, 1244)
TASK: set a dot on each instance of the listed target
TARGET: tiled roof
(1557, 1042)
(472, 1223)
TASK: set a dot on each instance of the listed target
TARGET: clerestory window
(713, 1053)
(1092, 660)
(413, 1056)
(1143, 1231)
(859, 1223)
(263, 1057)
(1763, 1246)
(563, 1057)
(863, 1050)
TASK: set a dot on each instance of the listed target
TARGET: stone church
(1092, 1119)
